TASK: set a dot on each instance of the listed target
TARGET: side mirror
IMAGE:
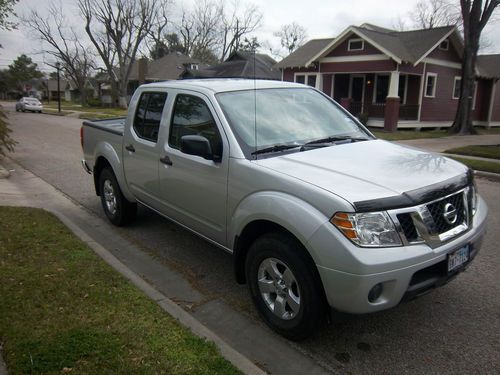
(196, 145)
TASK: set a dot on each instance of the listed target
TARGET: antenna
(254, 101)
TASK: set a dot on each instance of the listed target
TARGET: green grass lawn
(479, 165)
(63, 309)
(115, 112)
(401, 135)
(483, 151)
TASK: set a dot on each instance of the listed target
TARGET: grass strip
(483, 151)
(401, 135)
(479, 165)
(63, 309)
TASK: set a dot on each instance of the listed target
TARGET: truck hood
(366, 170)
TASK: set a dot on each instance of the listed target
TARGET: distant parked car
(29, 104)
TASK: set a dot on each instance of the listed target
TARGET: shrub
(94, 102)
(363, 117)
(6, 142)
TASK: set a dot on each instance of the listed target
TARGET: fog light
(375, 293)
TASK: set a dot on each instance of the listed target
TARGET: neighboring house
(239, 65)
(73, 94)
(168, 67)
(397, 79)
(51, 86)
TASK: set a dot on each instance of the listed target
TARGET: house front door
(357, 91)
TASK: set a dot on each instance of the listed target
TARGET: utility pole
(58, 67)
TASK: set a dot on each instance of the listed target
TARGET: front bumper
(34, 108)
(349, 272)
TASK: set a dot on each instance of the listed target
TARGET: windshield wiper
(274, 148)
(324, 141)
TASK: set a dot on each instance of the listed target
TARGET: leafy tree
(475, 16)
(7, 9)
(292, 36)
(6, 143)
(249, 45)
(22, 70)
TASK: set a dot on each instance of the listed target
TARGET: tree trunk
(463, 118)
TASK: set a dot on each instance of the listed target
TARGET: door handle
(166, 160)
(130, 148)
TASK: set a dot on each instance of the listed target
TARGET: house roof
(488, 66)
(240, 65)
(402, 46)
(170, 66)
(301, 56)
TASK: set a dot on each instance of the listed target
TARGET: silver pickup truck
(316, 211)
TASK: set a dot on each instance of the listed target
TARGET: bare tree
(428, 14)
(236, 24)
(292, 36)
(475, 16)
(117, 28)
(155, 40)
(65, 45)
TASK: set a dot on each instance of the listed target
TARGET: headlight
(370, 229)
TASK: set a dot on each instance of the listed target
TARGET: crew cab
(315, 210)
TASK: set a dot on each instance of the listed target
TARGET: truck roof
(223, 84)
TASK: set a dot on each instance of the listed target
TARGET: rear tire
(285, 287)
(117, 208)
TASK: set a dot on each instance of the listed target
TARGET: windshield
(289, 116)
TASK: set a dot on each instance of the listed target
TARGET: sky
(321, 19)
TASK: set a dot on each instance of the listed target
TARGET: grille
(436, 210)
(408, 227)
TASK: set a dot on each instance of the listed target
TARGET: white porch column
(319, 82)
(394, 85)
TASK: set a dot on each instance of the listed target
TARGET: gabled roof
(240, 65)
(170, 66)
(402, 46)
(488, 66)
(301, 56)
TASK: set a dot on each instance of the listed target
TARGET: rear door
(141, 147)
(194, 190)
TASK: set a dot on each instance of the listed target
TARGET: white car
(29, 104)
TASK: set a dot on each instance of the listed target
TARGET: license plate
(458, 258)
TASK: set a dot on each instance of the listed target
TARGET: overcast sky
(321, 18)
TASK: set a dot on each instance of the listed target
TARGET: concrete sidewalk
(445, 143)
(246, 343)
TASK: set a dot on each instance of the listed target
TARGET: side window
(148, 115)
(192, 117)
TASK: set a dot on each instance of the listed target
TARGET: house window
(456, 87)
(194, 67)
(356, 45)
(307, 79)
(148, 115)
(444, 45)
(430, 85)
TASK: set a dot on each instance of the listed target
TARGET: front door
(193, 189)
(357, 90)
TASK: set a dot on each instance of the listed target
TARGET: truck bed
(112, 125)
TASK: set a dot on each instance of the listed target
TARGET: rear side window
(192, 117)
(148, 115)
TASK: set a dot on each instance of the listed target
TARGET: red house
(408, 79)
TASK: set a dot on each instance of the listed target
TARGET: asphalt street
(455, 329)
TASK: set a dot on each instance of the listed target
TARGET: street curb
(236, 358)
(488, 175)
(4, 173)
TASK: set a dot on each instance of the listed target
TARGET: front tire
(285, 286)
(116, 207)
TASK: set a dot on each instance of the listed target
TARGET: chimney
(142, 67)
